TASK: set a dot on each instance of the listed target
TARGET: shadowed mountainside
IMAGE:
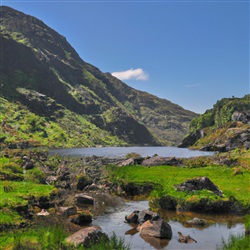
(42, 73)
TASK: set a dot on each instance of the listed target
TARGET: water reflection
(208, 237)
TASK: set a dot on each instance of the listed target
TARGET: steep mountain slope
(40, 70)
(224, 127)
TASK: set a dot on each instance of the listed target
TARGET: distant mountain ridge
(41, 71)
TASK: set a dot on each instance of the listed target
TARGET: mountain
(44, 78)
(225, 127)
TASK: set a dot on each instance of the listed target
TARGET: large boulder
(81, 219)
(199, 183)
(86, 236)
(156, 228)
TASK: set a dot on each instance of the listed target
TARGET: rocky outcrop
(86, 236)
(191, 139)
(140, 217)
(199, 183)
(196, 222)
(158, 161)
(133, 189)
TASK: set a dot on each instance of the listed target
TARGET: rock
(145, 215)
(68, 211)
(157, 228)
(81, 219)
(131, 161)
(196, 222)
(185, 239)
(43, 213)
(28, 163)
(133, 217)
(140, 217)
(84, 199)
(157, 161)
(51, 179)
(199, 183)
(86, 236)
(191, 139)
(82, 182)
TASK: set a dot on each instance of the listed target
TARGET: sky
(192, 53)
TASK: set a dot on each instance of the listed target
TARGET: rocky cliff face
(40, 68)
(223, 128)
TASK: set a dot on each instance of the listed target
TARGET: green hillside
(43, 74)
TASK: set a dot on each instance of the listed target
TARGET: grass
(53, 238)
(20, 192)
(236, 242)
(166, 177)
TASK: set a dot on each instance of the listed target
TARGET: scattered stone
(51, 179)
(86, 236)
(131, 161)
(43, 213)
(185, 239)
(157, 161)
(68, 211)
(196, 222)
(84, 199)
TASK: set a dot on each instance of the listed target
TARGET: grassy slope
(70, 129)
(168, 176)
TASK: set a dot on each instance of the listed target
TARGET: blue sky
(192, 53)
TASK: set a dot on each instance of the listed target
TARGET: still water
(120, 152)
(208, 237)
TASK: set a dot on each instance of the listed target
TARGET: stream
(208, 237)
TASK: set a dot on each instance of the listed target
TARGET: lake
(121, 152)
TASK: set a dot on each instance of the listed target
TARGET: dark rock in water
(145, 215)
(87, 236)
(156, 228)
(199, 183)
(185, 239)
(157, 161)
(196, 222)
(133, 217)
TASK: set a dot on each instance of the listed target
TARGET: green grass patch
(20, 192)
(166, 177)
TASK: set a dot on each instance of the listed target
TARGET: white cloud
(131, 74)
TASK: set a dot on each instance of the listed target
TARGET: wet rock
(146, 215)
(196, 222)
(133, 217)
(157, 161)
(86, 236)
(84, 199)
(185, 239)
(156, 228)
(199, 183)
